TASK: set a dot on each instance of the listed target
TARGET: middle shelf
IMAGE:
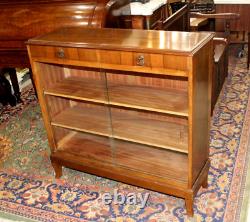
(158, 130)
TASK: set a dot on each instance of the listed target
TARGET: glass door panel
(77, 102)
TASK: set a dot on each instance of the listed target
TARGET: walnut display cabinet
(130, 105)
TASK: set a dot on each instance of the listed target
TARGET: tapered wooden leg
(205, 181)
(58, 169)
(33, 82)
(189, 205)
(248, 52)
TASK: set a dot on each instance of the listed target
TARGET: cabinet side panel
(39, 84)
(199, 108)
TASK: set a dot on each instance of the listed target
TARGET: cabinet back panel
(86, 117)
(179, 83)
(61, 134)
(51, 74)
(150, 129)
(151, 115)
(83, 144)
(56, 105)
(146, 159)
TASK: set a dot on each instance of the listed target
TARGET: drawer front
(57, 54)
(111, 59)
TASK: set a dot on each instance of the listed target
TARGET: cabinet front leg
(189, 205)
(58, 169)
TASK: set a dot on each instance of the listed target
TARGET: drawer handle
(140, 60)
(60, 53)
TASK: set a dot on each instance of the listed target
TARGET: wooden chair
(221, 43)
(178, 21)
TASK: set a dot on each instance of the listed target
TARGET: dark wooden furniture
(240, 25)
(197, 23)
(178, 21)
(6, 95)
(221, 43)
(204, 6)
(172, 15)
(127, 18)
(134, 107)
(23, 19)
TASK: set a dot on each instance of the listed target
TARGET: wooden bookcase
(130, 105)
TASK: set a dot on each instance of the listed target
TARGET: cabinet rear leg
(205, 181)
(189, 205)
(57, 168)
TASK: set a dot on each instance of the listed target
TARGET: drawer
(126, 59)
(144, 62)
(113, 59)
(63, 53)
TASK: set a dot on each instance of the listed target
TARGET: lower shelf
(82, 148)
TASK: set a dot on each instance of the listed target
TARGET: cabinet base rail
(136, 178)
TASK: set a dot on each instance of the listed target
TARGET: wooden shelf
(169, 101)
(85, 119)
(126, 125)
(158, 162)
(147, 98)
(80, 89)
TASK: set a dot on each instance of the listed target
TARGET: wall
(241, 24)
(232, 1)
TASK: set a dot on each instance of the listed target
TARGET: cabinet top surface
(125, 39)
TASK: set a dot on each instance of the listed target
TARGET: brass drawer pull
(60, 53)
(140, 60)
